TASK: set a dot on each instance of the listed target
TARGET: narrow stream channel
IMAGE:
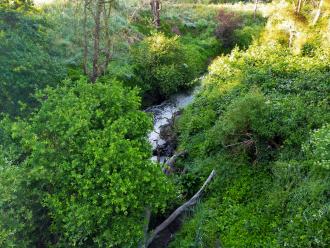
(163, 116)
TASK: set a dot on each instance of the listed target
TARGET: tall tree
(155, 10)
(255, 8)
(299, 6)
(318, 12)
(100, 11)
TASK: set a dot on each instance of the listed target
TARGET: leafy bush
(261, 121)
(163, 66)
(17, 4)
(228, 23)
(317, 149)
(28, 60)
(245, 36)
(238, 28)
(85, 173)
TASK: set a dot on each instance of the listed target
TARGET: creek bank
(163, 139)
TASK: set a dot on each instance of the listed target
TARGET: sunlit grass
(40, 2)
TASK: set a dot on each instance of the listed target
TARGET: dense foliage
(17, 4)
(262, 122)
(28, 59)
(235, 28)
(164, 66)
(75, 168)
(167, 60)
(85, 153)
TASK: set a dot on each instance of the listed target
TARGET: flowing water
(163, 114)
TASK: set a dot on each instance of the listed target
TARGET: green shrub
(228, 23)
(244, 37)
(28, 60)
(318, 148)
(17, 4)
(261, 120)
(163, 66)
(85, 175)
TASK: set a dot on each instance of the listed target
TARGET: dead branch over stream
(180, 210)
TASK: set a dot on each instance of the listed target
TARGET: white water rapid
(163, 114)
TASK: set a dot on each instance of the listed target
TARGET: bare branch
(180, 210)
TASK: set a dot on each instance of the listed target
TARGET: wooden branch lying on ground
(180, 210)
(173, 159)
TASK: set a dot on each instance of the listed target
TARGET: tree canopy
(86, 153)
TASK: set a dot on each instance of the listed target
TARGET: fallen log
(170, 163)
(179, 210)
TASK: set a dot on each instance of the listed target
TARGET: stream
(164, 142)
(164, 115)
(163, 148)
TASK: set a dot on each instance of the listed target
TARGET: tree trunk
(96, 58)
(299, 6)
(255, 8)
(318, 13)
(107, 13)
(292, 35)
(155, 10)
(97, 29)
(85, 41)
